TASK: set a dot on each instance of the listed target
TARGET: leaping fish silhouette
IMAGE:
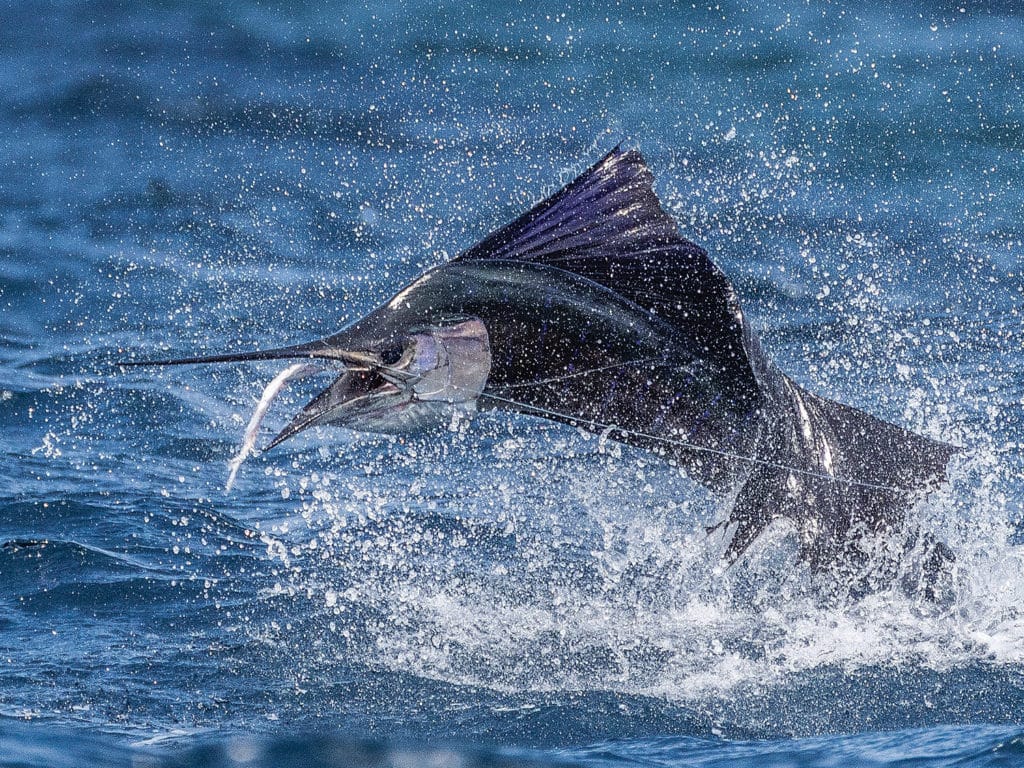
(592, 309)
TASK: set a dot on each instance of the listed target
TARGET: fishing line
(607, 429)
(576, 374)
(602, 428)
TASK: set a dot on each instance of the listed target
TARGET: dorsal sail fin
(609, 227)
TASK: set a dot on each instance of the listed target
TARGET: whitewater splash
(526, 558)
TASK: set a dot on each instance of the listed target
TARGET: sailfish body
(592, 309)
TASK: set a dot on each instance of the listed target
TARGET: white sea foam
(542, 564)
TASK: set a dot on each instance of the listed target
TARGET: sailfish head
(399, 379)
(422, 377)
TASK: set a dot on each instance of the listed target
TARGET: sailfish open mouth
(430, 375)
(359, 394)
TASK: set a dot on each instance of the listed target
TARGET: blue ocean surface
(186, 178)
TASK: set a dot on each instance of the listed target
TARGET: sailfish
(593, 309)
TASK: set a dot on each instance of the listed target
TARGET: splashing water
(613, 586)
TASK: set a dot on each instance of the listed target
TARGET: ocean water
(183, 178)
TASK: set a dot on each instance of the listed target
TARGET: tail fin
(842, 473)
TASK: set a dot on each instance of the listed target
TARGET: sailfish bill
(592, 309)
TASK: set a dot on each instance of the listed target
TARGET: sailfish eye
(391, 355)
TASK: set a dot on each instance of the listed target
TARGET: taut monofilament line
(608, 430)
